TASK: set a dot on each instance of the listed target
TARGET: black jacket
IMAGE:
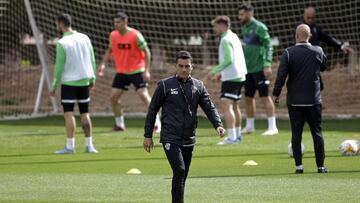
(178, 119)
(319, 35)
(302, 63)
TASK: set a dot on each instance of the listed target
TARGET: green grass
(30, 172)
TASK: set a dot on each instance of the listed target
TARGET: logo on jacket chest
(174, 91)
(124, 46)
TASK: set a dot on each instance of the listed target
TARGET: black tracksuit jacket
(179, 114)
(317, 35)
(302, 64)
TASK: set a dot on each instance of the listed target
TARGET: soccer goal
(28, 37)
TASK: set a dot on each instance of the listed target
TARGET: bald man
(302, 64)
(319, 35)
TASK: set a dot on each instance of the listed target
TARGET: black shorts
(72, 94)
(123, 81)
(231, 90)
(256, 81)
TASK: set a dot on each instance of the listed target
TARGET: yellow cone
(250, 163)
(134, 171)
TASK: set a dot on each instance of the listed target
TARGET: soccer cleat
(239, 138)
(299, 171)
(91, 150)
(228, 141)
(247, 130)
(65, 151)
(323, 170)
(271, 132)
(118, 128)
(157, 129)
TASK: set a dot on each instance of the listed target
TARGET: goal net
(168, 26)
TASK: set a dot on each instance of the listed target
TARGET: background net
(168, 26)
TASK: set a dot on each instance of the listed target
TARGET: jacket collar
(303, 43)
(181, 80)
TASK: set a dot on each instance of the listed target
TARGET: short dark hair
(222, 20)
(64, 19)
(183, 54)
(246, 7)
(121, 15)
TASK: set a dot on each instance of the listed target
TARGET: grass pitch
(30, 172)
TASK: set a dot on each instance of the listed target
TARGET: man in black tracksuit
(179, 97)
(317, 34)
(302, 64)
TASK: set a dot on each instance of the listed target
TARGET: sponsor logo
(124, 46)
(174, 91)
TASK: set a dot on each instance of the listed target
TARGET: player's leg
(297, 121)
(176, 161)
(238, 118)
(141, 89)
(83, 98)
(314, 120)
(263, 88)
(70, 124)
(237, 112)
(87, 128)
(187, 155)
(270, 112)
(229, 116)
(68, 99)
(229, 94)
(144, 95)
(250, 90)
(120, 84)
(117, 109)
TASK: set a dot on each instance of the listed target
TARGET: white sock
(120, 121)
(232, 133)
(272, 123)
(70, 143)
(238, 131)
(250, 123)
(88, 141)
(157, 121)
(300, 167)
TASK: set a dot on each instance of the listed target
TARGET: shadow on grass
(119, 159)
(96, 132)
(282, 155)
(274, 174)
(112, 159)
(80, 161)
(328, 125)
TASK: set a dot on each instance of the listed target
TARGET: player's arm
(228, 58)
(209, 108)
(281, 75)
(265, 40)
(147, 63)
(59, 67)
(106, 59)
(142, 44)
(329, 40)
(323, 61)
(93, 63)
(154, 107)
